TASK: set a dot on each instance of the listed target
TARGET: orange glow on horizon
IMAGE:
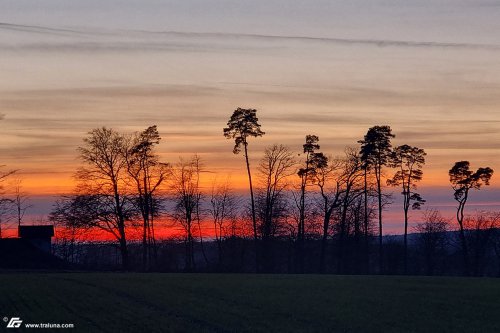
(58, 184)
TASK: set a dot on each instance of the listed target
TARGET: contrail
(332, 40)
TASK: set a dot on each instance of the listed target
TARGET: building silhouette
(32, 249)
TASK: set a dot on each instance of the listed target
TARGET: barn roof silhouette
(36, 231)
(31, 250)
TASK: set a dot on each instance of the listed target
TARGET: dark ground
(135, 302)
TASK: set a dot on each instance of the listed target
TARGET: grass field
(129, 302)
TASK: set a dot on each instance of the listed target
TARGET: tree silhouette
(5, 212)
(275, 167)
(431, 239)
(367, 189)
(352, 188)
(376, 150)
(242, 125)
(223, 208)
(186, 192)
(480, 235)
(306, 174)
(199, 168)
(20, 199)
(5, 203)
(122, 185)
(330, 196)
(463, 180)
(409, 162)
(104, 176)
(147, 173)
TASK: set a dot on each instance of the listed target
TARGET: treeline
(321, 213)
(432, 252)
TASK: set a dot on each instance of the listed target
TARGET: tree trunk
(380, 245)
(465, 251)
(324, 240)
(144, 202)
(302, 218)
(342, 235)
(463, 240)
(121, 228)
(366, 220)
(406, 240)
(124, 251)
(144, 237)
(201, 245)
(254, 219)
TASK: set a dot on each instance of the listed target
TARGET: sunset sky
(429, 69)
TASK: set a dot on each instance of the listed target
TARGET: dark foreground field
(123, 302)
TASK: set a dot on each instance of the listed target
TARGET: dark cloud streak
(230, 37)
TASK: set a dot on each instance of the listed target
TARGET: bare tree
(351, 179)
(275, 168)
(463, 180)
(20, 200)
(242, 125)
(223, 210)
(496, 243)
(480, 231)
(69, 241)
(102, 198)
(408, 161)
(5, 203)
(5, 213)
(5, 175)
(432, 238)
(186, 194)
(84, 212)
(328, 180)
(199, 211)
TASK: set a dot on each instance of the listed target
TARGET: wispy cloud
(438, 95)
(201, 36)
(346, 41)
(39, 29)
